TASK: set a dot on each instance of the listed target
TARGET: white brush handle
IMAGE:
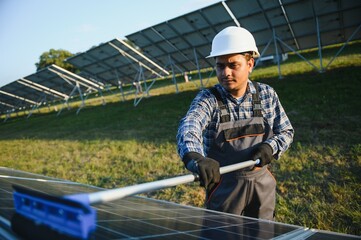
(118, 193)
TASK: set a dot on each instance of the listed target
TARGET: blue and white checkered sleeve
(282, 129)
(191, 127)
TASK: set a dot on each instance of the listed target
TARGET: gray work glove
(264, 153)
(206, 168)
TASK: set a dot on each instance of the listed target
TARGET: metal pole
(115, 194)
(290, 48)
(199, 72)
(319, 44)
(263, 52)
(81, 97)
(120, 85)
(278, 59)
(173, 74)
(344, 45)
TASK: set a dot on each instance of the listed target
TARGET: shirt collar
(250, 89)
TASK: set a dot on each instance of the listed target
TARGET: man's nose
(226, 71)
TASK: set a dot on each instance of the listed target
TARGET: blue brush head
(70, 215)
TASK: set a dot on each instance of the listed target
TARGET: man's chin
(228, 86)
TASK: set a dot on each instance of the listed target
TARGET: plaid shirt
(197, 129)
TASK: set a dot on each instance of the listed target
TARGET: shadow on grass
(155, 118)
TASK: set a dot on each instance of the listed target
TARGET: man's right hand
(206, 168)
(208, 172)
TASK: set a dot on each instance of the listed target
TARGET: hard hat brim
(212, 55)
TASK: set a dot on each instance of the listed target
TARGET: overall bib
(250, 192)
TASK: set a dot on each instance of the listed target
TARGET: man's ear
(250, 64)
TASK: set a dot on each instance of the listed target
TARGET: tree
(56, 57)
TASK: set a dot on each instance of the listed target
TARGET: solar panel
(15, 95)
(115, 61)
(184, 40)
(143, 218)
(46, 85)
(298, 24)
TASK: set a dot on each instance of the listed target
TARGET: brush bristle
(28, 229)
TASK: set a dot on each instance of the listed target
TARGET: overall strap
(225, 117)
(256, 102)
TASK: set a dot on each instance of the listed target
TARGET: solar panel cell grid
(143, 218)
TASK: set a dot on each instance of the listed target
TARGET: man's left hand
(264, 153)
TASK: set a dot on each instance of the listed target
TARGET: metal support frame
(137, 83)
(68, 77)
(19, 99)
(277, 55)
(18, 105)
(137, 101)
(44, 90)
(7, 113)
(210, 75)
(344, 45)
(263, 52)
(139, 77)
(143, 56)
(276, 39)
(41, 100)
(7, 116)
(173, 73)
(145, 93)
(181, 52)
(120, 85)
(320, 69)
(319, 44)
(297, 53)
(198, 69)
(173, 66)
(230, 13)
(76, 88)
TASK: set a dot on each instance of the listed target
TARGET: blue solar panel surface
(143, 218)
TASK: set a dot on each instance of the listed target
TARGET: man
(236, 120)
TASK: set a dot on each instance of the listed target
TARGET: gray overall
(249, 192)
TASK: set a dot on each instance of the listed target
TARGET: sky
(29, 28)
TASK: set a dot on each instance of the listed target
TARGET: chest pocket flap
(251, 130)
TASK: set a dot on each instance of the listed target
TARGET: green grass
(118, 145)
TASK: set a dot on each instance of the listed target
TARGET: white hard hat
(233, 40)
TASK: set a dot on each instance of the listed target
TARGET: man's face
(232, 72)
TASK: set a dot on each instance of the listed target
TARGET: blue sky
(30, 27)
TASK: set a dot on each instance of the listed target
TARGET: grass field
(118, 144)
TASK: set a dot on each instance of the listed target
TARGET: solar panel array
(144, 218)
(181, 44)
(115, 61)
(296, 23)
(52, 83)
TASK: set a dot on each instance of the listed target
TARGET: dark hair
(248, 55)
